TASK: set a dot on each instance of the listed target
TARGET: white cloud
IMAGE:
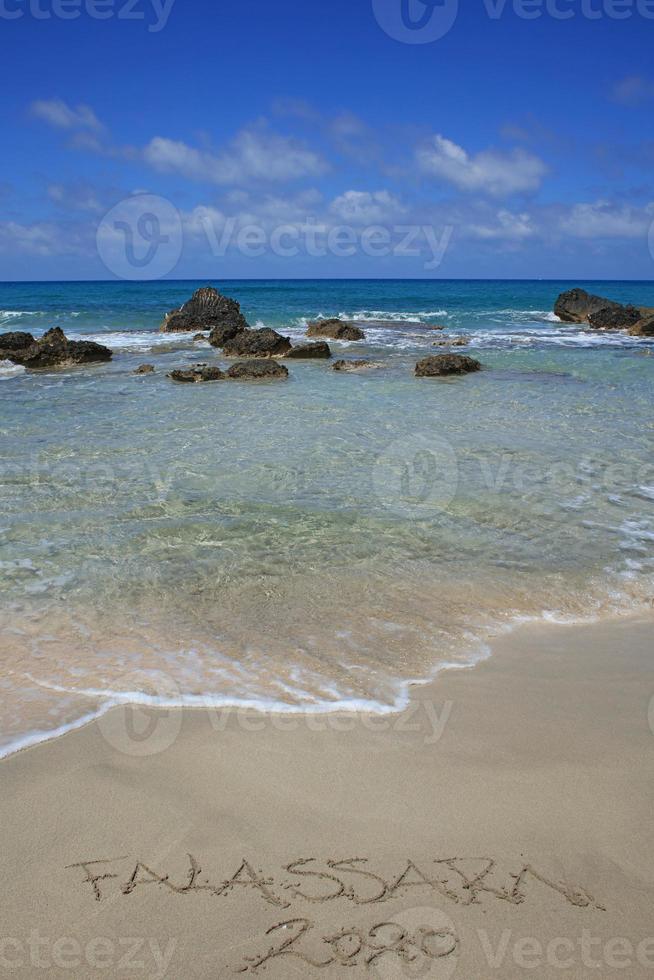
(602, 219)
(59, 114)
(41, 238)
(504, 225)
(367, 207)
(492, 172)
(633, 90)
(254, 154)
(76, 197)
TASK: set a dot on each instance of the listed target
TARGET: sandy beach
(500, 827)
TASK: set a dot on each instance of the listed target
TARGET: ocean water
(318, 543)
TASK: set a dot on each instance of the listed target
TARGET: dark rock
(615, 318)
(576, 305)
(257, 370)
(201, 336)
(16, 341)
(144, 369)
(220, 335)
(645, 328)
(257, 343)
(207, 308)
(197, 373)
(357, 365)
(319, 349)
(54, 350)
(335, 329)
(440, 365)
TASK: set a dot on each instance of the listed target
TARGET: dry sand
(502, 827)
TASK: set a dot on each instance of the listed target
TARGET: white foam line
(37, 737)
(479, 652)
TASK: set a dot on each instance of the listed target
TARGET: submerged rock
(257, 343)
(354, 365)
(53, 349)
(451, 342)
(206, 309)
(576, 305)
(197, 373)
(335, 329)
(257, 370)
(144, 369)
(319, 349)
(440, 365)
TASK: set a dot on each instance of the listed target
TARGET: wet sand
(500, 827)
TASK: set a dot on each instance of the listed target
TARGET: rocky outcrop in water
(53, 349)
(441, 365)
(207, 309)
(257, 343)
(578, 306)
(335, 329)
(257, 370)
(310, 351)
(144, 369)
(197, 373)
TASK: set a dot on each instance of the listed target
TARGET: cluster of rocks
(263, 347)
(53, 349)
(578, 306)
(218, 319)
(208, 310)
(258, 369)
(255, 370)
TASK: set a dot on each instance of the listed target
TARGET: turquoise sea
(317, 543)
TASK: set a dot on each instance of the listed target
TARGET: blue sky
(304, 139)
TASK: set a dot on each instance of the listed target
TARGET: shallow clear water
(319, 542)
